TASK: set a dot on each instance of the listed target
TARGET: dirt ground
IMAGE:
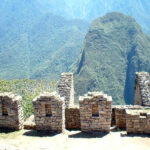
(72, 140)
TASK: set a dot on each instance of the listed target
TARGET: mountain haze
(37, 44)
(115, 48)
(91, 9)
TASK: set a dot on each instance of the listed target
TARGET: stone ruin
(138, 121)
(142, 89)
(72, 118)
(49, 112)
(66, 89)
(11, 113)
(120, 114)
(95, 112)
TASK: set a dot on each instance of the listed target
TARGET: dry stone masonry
(11, 113)
(66, 88)
(49, 112)
(142, 89)
(29, 124)
(120, 114)
(95, 112)
(72, 118)
(138, 121)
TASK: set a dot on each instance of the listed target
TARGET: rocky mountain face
(115, 48)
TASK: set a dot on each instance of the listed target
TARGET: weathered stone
(138, 121)
(95, 112)
(66, 88)
(120, 114)
(29, 124)
(72, 118)
(49, 112)
(11, 112)
(142, 89)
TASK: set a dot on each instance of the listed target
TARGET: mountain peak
(115, 48)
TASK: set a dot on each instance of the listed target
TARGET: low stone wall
(138, 121)
(49, 111)
(95, 112)
(11, 112)
(120, 114)
(72, 118)
(29, 124)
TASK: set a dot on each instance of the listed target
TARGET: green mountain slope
(55, 44)
(115, 48)
(34, 44)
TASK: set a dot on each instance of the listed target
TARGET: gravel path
(74, 140)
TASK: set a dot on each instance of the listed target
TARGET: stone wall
(138, 121)
(120, 114)
(72, 117)
(95, 112)
(113, 118)
(142, 89)
(11, 113)
(66, 88)
(49, 111)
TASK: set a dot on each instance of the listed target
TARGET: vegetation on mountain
(37, 44)
(37, 41)
(28, 89)
(34, 43)
(115, 48)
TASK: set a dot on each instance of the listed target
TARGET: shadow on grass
(6, 130)
(40, 133)
(135, 135)
(88, 135)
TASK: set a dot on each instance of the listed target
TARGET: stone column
(66, 88)
(142, 89)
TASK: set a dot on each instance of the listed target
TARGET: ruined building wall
(95, 112)
(120, 114)
(11, 111)
(66, 88)
(72, 118)
(142, 89)
(138, 121)
(113, 118)
(49, 112)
